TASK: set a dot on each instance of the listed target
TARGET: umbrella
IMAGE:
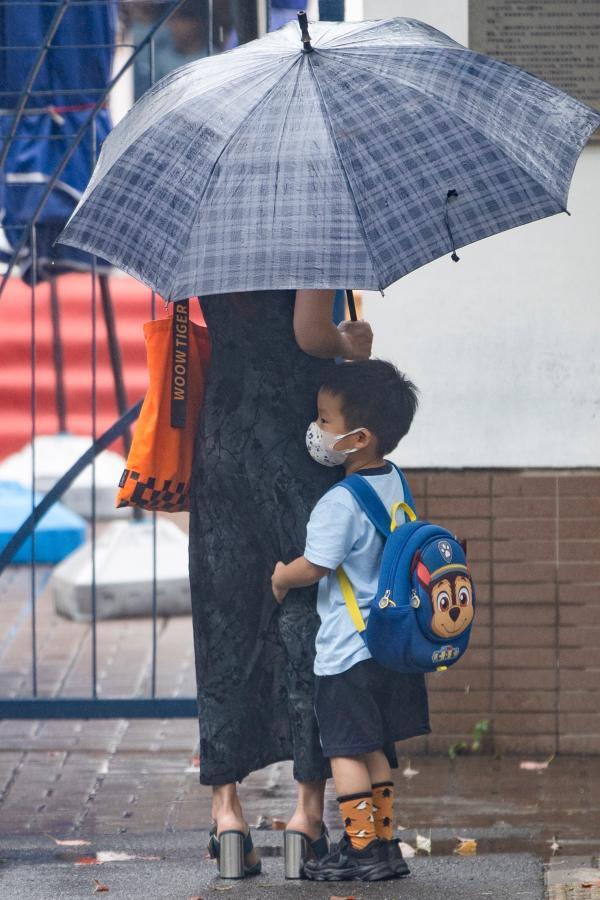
(348, 156)
(75, 69)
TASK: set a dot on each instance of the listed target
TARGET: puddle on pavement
(447, 847)
(505, 808)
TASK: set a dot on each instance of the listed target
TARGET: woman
(254, 486)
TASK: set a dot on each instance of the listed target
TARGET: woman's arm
(299, 573)
(317, 335)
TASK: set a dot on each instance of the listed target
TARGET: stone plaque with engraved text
(557, 40)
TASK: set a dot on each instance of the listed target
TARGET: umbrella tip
(303, 23)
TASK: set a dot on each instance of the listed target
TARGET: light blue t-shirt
(339, 533)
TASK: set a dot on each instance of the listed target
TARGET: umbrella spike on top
(403, 146)
(303, 22)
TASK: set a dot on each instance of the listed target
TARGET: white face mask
(320, 445)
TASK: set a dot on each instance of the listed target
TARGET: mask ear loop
(341, 438)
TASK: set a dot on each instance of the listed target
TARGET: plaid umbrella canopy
(350, 160)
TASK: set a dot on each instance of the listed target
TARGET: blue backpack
(420, 619)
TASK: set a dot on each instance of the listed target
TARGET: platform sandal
(230, 850)
(298, 848)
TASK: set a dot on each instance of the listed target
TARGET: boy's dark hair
(375, 395)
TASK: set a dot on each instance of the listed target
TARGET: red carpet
(132, 307)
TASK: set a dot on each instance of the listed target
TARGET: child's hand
(279, 592)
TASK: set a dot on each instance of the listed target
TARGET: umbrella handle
(351, 305)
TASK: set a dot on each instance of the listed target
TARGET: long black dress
(254, 486)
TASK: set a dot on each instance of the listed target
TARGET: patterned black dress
(254, 486)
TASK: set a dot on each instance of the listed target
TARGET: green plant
(474, 743)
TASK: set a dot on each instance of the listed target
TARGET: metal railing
(35, 705)
(44, 701)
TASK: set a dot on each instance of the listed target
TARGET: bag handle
(412, 516)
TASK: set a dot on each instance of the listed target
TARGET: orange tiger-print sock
(383, 809)
(357, 815)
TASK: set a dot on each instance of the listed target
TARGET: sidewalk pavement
(131, 787)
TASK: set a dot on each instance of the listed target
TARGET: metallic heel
(297, 849)
(231, 854)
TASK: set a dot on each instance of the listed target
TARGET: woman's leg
(228, 815)
(308, 815)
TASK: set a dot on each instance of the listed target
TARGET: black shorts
(368, 708)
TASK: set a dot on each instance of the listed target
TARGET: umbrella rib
(343, 167)
(435, 99)
(226, 144)
(279, 143)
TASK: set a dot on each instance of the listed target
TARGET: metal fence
(25, 691)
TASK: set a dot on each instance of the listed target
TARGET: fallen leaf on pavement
(278, 824)
(103, 856)
(409, 772)
(466, 846)
(100, 887)
(424, 843)
(73, 843)
(345, 897)
(532, 766)
(118, 856)
(223, 887)
(407, 850)
(590, 884)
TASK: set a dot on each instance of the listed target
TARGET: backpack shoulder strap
(408, 497)
(369, 501)
(350, 600)
(373, 507)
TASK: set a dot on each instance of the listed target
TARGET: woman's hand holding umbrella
(358, 338)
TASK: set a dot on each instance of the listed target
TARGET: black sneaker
(344, 863)
(395, 859)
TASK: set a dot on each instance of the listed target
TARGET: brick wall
(533, 666)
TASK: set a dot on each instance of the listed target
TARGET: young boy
(364, 409)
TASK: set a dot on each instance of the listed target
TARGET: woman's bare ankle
(309, 823)
(228, 820)
(226, 809)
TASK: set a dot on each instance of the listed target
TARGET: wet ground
(132, 788)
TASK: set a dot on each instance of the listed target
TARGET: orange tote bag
(159, 464)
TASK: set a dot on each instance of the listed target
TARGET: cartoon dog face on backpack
(451, 597)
